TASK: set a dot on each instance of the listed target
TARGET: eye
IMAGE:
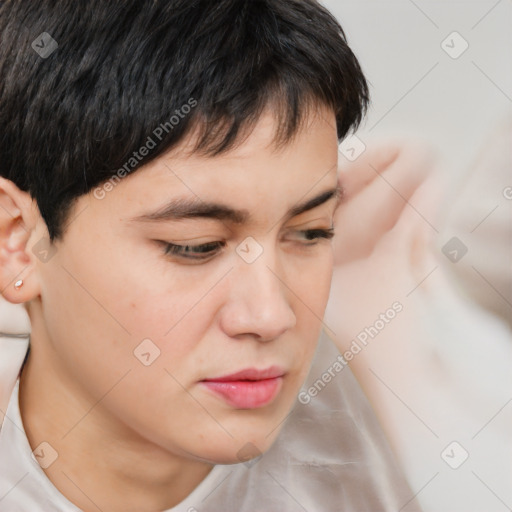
(206, 251)
(193, 252)
(316, 234)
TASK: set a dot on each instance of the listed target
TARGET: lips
(248, 389)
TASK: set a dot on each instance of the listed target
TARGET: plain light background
(417, 88)
(423, 86)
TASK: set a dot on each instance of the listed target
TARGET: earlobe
(18, 279)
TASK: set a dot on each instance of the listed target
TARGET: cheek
(311, 283)
(103, 319)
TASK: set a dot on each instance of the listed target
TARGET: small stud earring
(18, 284)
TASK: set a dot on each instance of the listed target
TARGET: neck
(102, 463)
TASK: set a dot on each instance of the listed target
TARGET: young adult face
(254, 303)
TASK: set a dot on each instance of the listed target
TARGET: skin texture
(136, 437)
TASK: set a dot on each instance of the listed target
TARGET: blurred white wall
(417, 88)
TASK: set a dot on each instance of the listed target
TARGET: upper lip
(271, 372)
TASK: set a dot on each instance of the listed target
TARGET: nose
(259, 301)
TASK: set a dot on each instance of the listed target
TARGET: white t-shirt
(330, 455)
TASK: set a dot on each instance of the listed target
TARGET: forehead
(264, 134)
(314, 141)
(252, 178)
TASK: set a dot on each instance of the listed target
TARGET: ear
(18, 221)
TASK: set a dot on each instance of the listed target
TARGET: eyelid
(177, 251)
(323, 233)
(327, 218)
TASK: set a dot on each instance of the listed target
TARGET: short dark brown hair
(85, 83)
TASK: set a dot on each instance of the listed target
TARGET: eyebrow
(192, 208)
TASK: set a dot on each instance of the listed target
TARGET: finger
(363, 219)
(379, 157)
(354, 176)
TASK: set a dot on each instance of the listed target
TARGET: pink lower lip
(246, 394)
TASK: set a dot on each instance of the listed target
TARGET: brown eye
(193, 252)
(316, 234)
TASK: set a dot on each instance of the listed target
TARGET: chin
(242, 452)
(242, 448)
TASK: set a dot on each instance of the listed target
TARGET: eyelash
(209, 249)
